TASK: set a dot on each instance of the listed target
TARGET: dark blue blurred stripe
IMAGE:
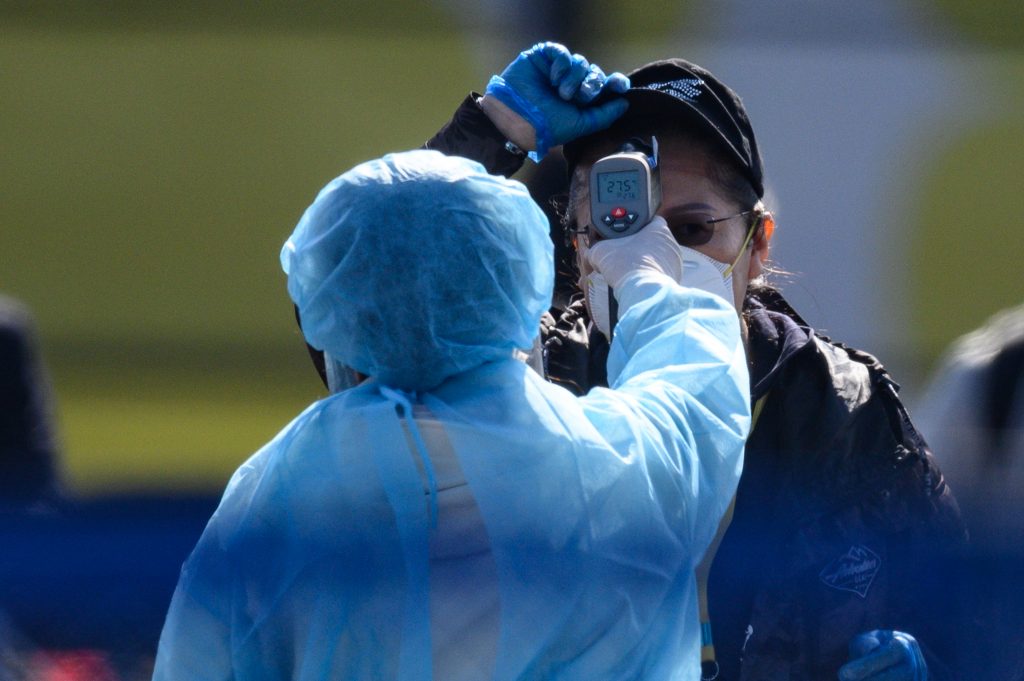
(99, 573)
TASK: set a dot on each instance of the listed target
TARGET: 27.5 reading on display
(618, 186)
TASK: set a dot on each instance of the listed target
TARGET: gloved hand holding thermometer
(884, 655)
(652, 249)
(546, 97)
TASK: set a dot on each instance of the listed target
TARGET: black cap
(677, 90)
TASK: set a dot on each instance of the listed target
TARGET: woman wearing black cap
(837, 560)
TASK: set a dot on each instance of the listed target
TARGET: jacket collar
(776, 333)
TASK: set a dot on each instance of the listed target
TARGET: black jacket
(843, 523)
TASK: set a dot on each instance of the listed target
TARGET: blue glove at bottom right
(884, 655)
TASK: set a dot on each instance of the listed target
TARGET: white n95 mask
(699, 271)
(707, 274)
(599, 303)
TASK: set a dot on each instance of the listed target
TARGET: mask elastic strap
(746, 242)
(401, 400)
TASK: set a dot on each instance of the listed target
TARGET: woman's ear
(762, 241)
(761, 245)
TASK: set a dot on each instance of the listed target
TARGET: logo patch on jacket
(853, 571)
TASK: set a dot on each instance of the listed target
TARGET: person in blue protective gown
(453, 515)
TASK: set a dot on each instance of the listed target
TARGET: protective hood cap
(418, 266)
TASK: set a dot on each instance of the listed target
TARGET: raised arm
(545, 97)
(678, 376)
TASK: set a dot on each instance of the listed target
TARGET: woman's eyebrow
(689, 206)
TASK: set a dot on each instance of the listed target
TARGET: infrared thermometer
(625, 189)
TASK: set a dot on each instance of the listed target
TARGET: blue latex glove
(884, 655)
(553, 90)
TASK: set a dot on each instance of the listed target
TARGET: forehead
(686, 167)
(680, 156)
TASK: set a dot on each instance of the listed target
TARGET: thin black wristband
(513, 148)
(471, 134)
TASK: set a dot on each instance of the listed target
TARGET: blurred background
(154, 156)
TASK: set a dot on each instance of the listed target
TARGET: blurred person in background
(30, 484)
(29, 477)
(452, 515)
(973, 415)
(837, 560)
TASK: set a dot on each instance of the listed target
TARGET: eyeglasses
(694, 231)
(687, 230)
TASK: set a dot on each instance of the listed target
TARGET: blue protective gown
(315, 565)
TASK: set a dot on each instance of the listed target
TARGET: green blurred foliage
(156, 155)
(150, 177)
(649, 22)
(181, 422)
(970, 228)
(995, 23)
(353, 17)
